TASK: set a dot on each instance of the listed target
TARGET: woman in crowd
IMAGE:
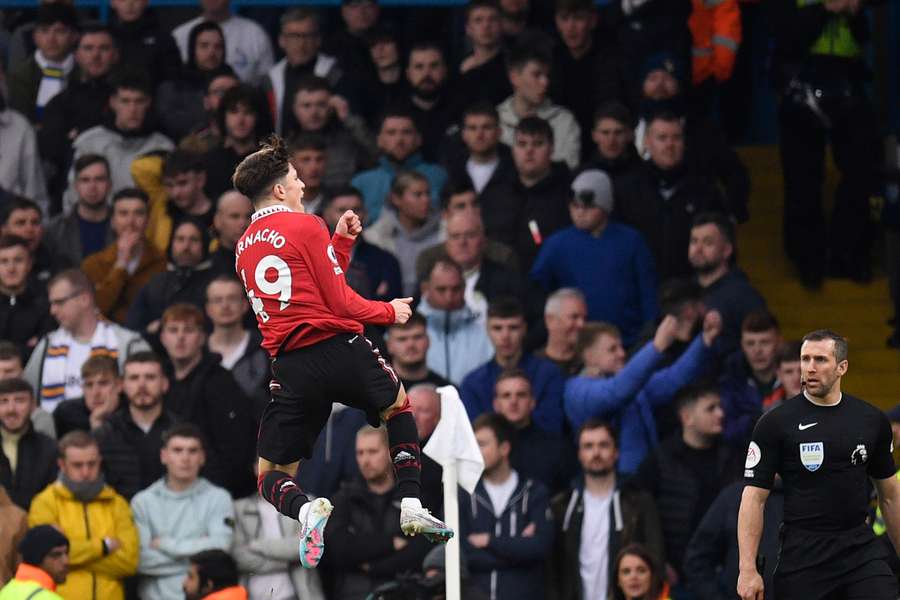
(637, 577)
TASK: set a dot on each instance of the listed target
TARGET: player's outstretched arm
(889, 501)
(750, 526)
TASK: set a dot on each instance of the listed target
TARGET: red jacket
(294, 277)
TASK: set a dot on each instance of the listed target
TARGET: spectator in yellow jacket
(102, 536)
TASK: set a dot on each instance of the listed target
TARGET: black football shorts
(346, 368)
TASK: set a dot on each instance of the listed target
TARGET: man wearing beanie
(45, 563)
(103, 538)
(597, 255)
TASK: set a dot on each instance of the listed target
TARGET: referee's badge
(812, 454)
(860, 455)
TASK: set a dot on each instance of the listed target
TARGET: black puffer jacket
(362, 530)
(211, 399)
(678, 490)
(130, 456)
(24, 317)
(35, 469)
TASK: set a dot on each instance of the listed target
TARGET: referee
(825, 445)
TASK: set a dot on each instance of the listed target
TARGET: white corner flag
(453, 446)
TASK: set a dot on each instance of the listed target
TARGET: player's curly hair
(256, 174)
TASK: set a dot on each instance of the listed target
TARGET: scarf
(53, 78)
(61, 374)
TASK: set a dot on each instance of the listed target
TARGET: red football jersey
(294, 277)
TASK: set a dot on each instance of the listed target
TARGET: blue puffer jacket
(629, 397)
(511, 567)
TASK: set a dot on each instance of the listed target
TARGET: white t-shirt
(480, 173)
(271, 586)
(236, 353)
(500, 493)
(593, 555)
(248, 49)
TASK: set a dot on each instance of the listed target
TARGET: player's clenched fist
(750, 586)
(402, 309)
(349, 225)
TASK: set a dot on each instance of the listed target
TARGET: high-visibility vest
(836, 38)
(716, 29)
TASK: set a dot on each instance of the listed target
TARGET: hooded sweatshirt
(459, 341)
(184, 523)
(389, 235)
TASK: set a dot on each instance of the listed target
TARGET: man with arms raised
(825, 445)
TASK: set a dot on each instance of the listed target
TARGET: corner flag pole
(451, 516)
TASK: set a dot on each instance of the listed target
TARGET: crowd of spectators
(554, 186)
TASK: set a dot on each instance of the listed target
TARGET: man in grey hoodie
(179, 515)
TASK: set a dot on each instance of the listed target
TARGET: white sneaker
(313, 518)
(416, 519)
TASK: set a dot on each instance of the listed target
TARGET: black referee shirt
(824, 454)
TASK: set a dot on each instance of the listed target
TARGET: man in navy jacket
(505, 528)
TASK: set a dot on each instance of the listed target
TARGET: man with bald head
(465, 245)
(426, 407)
(232, 216)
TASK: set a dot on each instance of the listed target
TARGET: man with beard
(213, 576)
(102, 536)
(27, 462)
(827, 446)
(348, 144)
(186, 280)
(724, 285)
(598, 517)
(426, 73)
(407, 345)
(131, 439)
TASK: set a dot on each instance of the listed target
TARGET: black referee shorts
(346, 368)
(849, 565)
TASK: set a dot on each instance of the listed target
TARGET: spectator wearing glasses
(54, 368)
